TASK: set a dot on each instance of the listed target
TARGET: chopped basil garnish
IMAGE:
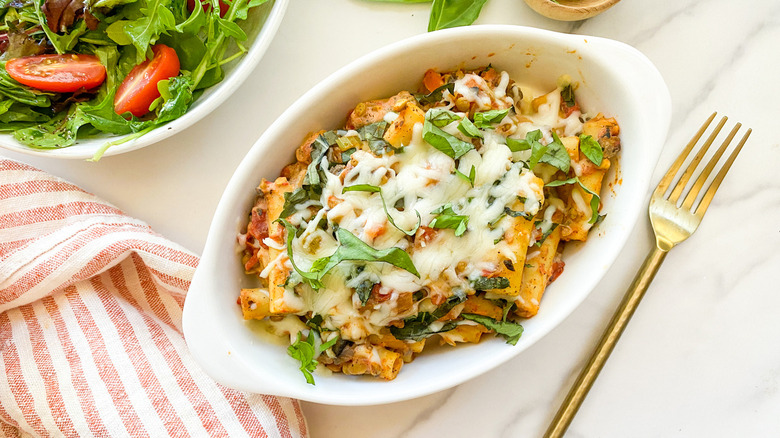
(468, 128)
(514, 213)
(515, 145)
(487, 119)
(468, 178)
(567, 94)
(441, 117)
(374, 189)
(418, 327)
(373, 135)
(556, 155)
(511, 331)
(435, 95)
(306, 352)
(591, 149)
(363, 291)
(448, 219)
(594, 200)
(441, 140)
(546, 234)
(485, 283)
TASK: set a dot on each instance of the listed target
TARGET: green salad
(71, 69)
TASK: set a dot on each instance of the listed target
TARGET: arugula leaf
(487, 119)
(453, 13)
(485, 283)
(375, 189)
(435, 95)
(468, 128)
(591, 148)
(448, 219)
(511, 331)
(468, 178)
(443, 141)
(595, 199)
(556, 155)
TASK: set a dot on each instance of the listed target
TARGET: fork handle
(607, 343)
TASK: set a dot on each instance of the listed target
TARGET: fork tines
(679, 187)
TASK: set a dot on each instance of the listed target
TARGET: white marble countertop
(701, 356)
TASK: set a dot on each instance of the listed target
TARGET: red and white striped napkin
(90, 326)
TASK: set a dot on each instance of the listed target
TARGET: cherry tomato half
(223, 7)
(139, 89)
(58, 73)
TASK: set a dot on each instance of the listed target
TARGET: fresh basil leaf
(515, 145)
(514, 213)
(311, 278)
(567, 94)
(453, 13)
(435, 95)
(363, 291)
(448, 219)
(441, 117)
(546, 234)
(591, 149)
(468, 178)
(468, 128)
(511, 331)
(443, 141)
(487, 119)
(303, 351)
(374, 189)
(352, 248)
(418, 327)
(556, 155)
(374, 135)
(595, 199)
(485, 283)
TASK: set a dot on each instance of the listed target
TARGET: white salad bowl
(260, 26)
(613, 78)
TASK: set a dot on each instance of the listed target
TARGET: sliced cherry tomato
(139, 89)
(57, 73)
(223, 7)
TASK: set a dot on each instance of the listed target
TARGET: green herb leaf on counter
(591, 148)
(511, 331)
(453, 13)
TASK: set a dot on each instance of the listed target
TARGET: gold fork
(671, 225)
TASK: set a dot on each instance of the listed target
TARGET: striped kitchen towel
(90, 326)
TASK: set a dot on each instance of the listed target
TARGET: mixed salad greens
(448, 13)
(75, 68)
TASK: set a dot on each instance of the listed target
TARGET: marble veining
(700, 357)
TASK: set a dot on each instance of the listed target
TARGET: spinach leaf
(485, 283)
(511, 331)
(591, 149)
(443, 141)
(453, 13)
(447, 218)
(487, 119)
(375, 189)
(374, 135)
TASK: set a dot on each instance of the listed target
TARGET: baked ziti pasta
(437, 216)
